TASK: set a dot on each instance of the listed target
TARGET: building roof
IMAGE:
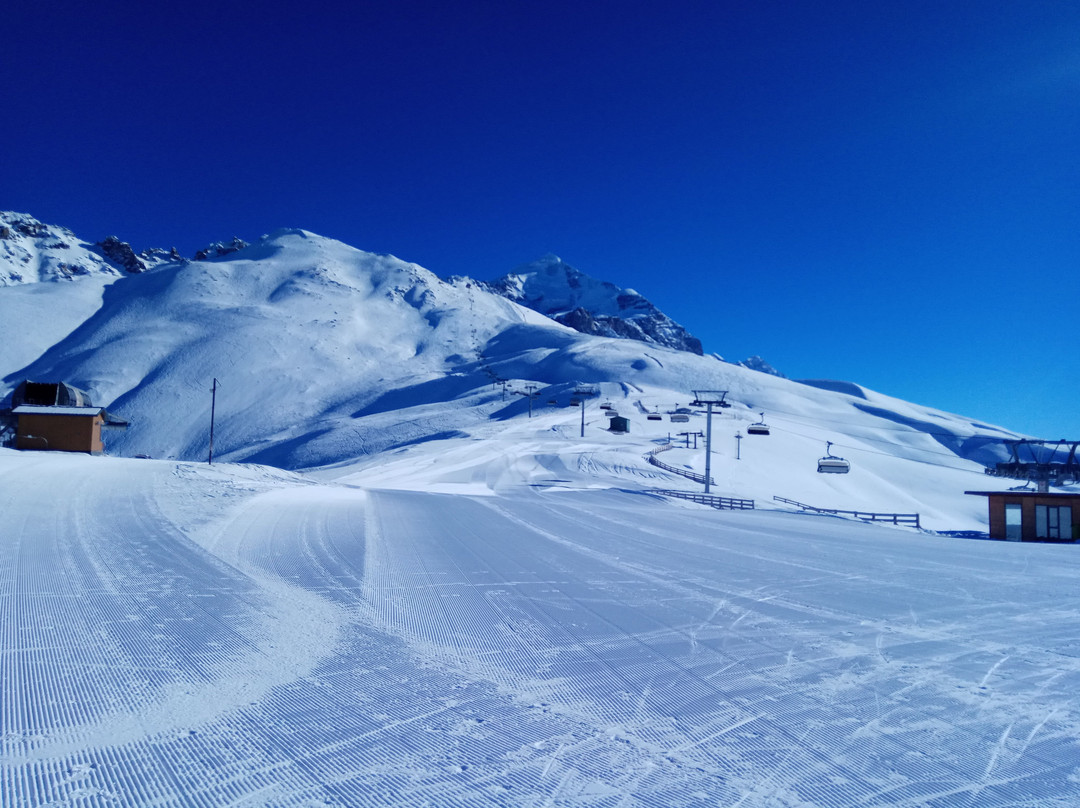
(29, 410)
(1053, 495)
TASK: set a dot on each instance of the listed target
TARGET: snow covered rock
(569, 296)
(757, 363)
(220, 248)
(32, 252)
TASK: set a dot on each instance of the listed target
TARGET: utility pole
(709, 399)
(213, 406)
(738, 445)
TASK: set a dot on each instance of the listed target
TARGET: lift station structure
(1042, 462)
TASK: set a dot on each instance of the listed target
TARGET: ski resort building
(60, 429)
(1032, 516)
(54, 416)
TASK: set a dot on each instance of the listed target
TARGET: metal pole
(583, 400)
(708, 445)
(738, 445)
(213, 405)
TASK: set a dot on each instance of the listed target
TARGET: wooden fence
(911, 519)
(690, 475)
(722, 503)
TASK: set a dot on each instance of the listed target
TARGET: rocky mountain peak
(569, 296)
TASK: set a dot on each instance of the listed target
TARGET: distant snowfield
(178, 634)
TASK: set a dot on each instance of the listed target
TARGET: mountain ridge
(325, 353)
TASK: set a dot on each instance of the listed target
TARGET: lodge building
(1032, 515)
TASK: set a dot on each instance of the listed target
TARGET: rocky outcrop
(159, 255)
(120, 253)
(220, 248)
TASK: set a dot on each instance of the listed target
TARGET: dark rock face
(121, 254)
(219, 248)
(31, 227)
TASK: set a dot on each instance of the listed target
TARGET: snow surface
(183, 634)
(436, 599)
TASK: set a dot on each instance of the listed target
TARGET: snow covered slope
(301, 332)
(178, 634)
(51, 281)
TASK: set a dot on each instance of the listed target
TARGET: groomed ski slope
(175, 634)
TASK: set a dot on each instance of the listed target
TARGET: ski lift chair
(760, 428)
(831, 464)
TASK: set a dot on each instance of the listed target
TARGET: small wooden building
(59, 429)
(1032, 516)
(619, 424)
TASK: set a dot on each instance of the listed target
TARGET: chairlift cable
(888, 454)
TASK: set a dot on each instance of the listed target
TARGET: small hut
(54, 416)
(60, 429)
(619, 424)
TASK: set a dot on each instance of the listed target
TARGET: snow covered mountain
(325, 354)
(569, 296)
(301, 332)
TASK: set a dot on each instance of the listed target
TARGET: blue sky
(883, 193)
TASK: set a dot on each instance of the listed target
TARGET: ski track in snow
(176, 635)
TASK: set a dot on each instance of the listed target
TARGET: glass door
(1013, 520)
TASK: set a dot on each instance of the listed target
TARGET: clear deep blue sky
(886, 193)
